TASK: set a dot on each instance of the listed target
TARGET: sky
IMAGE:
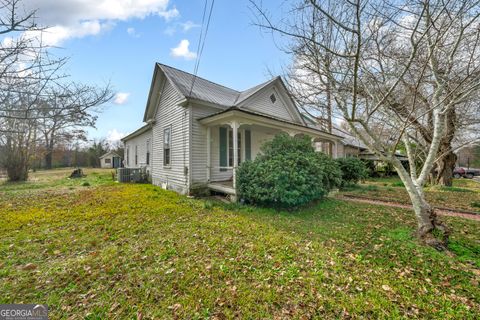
(119, 42)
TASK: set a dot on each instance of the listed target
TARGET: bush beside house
(352, 170)
(288, 173)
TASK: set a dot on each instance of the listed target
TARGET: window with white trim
(136, 155)
(148, 152)
(167, 145)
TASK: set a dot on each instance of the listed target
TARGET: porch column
(234, 125)
(335, 154)
(209, 154)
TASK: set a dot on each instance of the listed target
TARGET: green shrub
(398, 184)
(288, 173)
(353, 170)
(86, 184)
(475, 204)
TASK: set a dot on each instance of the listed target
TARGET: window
(167, 143)
(128, 156)
(136, 155)
(108, 161)
(148, 152)
(230, 148)
(273, 98)
(248, 145)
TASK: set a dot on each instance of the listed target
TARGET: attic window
(273, 98)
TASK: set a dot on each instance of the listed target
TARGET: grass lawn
(121, 250)
(463, 195)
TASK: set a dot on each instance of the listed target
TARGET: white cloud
(114, 136)
(169, 14)
(182, 51)
(186, 26)
(68, 19)
(132, 32)
(121, 97)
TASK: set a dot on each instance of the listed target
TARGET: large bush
(353, 170)
(287, 173)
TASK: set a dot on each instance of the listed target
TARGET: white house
(110, 160)
(197, 132)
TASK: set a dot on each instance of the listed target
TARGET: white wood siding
(103, 164)
(199, 144)
(141, 142)
(169, 113)
(260, 102)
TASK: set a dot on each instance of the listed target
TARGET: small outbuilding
(110, 160)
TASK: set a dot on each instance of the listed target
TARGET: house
(197, 132)
(110, 160)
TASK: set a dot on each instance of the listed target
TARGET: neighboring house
(198, 132)
(110, 160)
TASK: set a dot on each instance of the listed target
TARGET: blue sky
(122, 44)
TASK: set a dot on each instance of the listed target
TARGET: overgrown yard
(121, 251)
(463, 195)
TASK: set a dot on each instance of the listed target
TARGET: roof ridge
(215, 83)
(258, 88)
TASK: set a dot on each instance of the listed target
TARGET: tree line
(40, 106)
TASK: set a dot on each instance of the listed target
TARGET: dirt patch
(440, 211)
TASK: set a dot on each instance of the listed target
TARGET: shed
(110, 160)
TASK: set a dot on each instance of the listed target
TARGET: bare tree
(36, 101)
(384, 54)
(66, 111)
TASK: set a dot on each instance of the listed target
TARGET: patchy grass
(463, 195)
(57, 180)
(118, 251)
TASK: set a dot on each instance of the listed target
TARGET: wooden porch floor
(222, 186)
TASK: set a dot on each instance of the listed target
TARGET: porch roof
(260, 118)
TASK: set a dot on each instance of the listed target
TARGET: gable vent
(273, 98)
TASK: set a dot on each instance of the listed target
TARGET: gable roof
(208, 91)
(348, 138)
(110, 153)
(137, 132)
(244, 95)
(203, 89)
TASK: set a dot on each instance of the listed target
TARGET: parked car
(460, 172)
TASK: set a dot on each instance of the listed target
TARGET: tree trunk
(49, 154)
(430, 230)
(445, 167)
(48, 159)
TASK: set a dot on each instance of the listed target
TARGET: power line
(201, 43)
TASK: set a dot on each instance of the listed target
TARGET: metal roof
(137, 132)
(206, 90)
(112, 153)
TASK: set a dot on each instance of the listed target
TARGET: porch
(234, 136)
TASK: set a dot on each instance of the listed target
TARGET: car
(460, 172)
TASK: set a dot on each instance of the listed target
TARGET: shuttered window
(248, 145)
(223, 148)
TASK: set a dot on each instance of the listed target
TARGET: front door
(116, 162)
